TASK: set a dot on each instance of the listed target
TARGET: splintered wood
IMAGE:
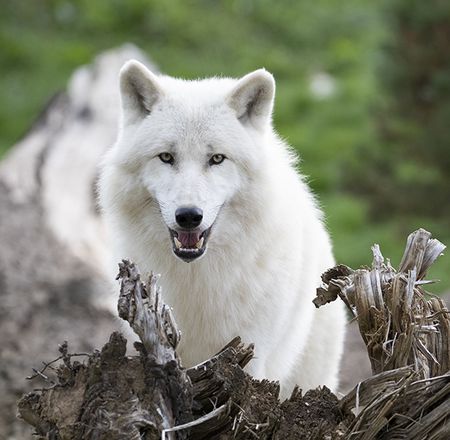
(141, 305)
(408, 342)
(398, 324)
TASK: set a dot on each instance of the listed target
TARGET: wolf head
(187, 148)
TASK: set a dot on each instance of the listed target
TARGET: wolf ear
(139, 91)
(252, 98)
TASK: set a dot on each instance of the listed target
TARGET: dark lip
(190, 255)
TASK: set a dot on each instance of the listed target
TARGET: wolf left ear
(139, 91)
(252, 98)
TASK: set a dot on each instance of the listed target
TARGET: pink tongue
(188, 239)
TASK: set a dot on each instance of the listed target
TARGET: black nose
(189, 217)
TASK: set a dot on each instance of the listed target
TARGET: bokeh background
(363, 91)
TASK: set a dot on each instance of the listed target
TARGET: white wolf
(200, 189)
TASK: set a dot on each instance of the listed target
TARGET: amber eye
(217, 159)
(166, 158)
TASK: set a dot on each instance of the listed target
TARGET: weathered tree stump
(151, 396)
(408, 343)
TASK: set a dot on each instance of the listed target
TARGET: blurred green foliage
(331, 46)
(412, 120)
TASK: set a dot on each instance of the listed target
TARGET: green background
(337, 137)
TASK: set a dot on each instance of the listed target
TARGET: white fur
(268, 246)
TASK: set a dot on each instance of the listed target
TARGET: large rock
(53, 258)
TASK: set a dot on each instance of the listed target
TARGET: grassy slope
(41, 45)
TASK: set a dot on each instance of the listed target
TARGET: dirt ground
(115, 387)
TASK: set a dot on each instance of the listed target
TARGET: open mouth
(189, 245)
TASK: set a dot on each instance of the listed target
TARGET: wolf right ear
(252, 98)
(139, 91)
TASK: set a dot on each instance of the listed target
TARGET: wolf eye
(166, 158)
(217, 159)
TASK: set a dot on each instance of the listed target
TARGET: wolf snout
(188, 217)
